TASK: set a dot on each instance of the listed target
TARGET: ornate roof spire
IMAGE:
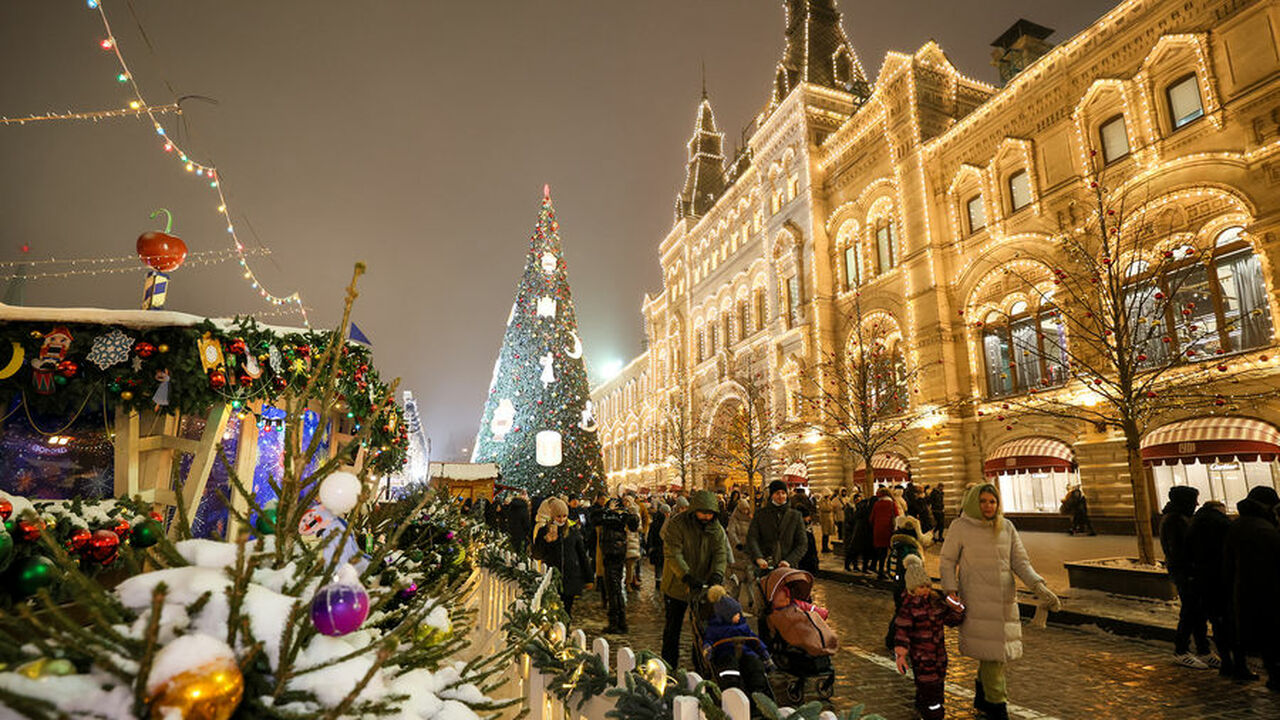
(817, 52)
(704, 174)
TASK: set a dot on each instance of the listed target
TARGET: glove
(1051, 601)
(715, 579)
(694, 583)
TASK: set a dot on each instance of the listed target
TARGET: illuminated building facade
(915, 193)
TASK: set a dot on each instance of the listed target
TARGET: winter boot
(979, 697)
(997, 711)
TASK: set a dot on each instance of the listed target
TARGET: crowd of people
(716, 547)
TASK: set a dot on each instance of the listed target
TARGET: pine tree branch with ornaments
(325, 606)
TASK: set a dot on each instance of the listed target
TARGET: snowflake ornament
(110, 349)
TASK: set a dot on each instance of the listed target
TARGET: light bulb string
(123, 258)
(208, 257)
(200, 168)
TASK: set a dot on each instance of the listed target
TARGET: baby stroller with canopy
(797, 634)
(731, 670)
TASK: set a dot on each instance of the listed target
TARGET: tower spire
(817, 52)
(704, 171)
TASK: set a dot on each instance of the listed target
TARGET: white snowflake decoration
(110, 349)
(275, 359)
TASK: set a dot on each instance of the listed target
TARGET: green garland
(80, 385)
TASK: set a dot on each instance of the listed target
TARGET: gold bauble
(44, 667)
(209, 692)
(427, 635)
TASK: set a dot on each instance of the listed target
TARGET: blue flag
(359, 337)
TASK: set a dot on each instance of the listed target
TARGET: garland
(60, 369)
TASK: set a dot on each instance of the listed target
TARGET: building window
(1024, 350)
(744, 327)
(1115, 139)
(1200, 308)
(886, 252)
(852, 266)
(728, 329)
(793, 187)
(711, 337)
(761, 308)
(888, 391)
(1184, 101)
(793, 300)
(1019, 190)
(700, 353)
(977, 214)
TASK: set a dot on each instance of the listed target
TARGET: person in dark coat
(809, 563)
(1206, 542)
(882, 515)
(860, 547)
(919, 638)
(559, 544)
(1076, 504)
(916, 506)
(776, 537)
(658, 512)
(1251, 568)
(518, 523)
(937, 509)
(1175, 520)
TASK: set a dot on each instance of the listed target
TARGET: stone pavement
(1067, 673)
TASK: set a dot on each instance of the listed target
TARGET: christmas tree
(538, 423)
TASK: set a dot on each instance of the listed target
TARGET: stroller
(797, 664)
(700, 611)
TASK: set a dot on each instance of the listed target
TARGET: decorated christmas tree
(538, 423)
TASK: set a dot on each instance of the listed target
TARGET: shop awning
(1211, 439)
(888, 467)
(1033, 454)
(796, 474)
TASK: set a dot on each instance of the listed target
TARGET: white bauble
(339, 492)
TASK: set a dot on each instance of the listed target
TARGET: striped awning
(888, 466)
(1211, 439)
(1033, 454)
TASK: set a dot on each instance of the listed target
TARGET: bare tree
(681, 440)
(863, 401)
(1127, 331)
(741, 439)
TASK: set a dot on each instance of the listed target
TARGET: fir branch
(149, 642)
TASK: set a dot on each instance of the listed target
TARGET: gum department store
(913, 195)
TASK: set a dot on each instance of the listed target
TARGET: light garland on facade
(111, 44)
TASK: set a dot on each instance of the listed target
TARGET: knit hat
(682, 502)
(1265, 496)
(914, 574)
(776, 485)
(725, 607)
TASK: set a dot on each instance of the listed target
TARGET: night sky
(413, 135)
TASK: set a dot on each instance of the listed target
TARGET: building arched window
(1024, 349)
(886, 247)
(888, 390)
(1202, 305)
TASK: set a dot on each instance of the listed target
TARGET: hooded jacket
(1175, 519)
(1251, 569)
(692, 548)
(776, 534)
(1206, 543)
(979, 561)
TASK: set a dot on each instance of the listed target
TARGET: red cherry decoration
(6, 508)
(217, 379)
(160, 250)
(68, 368)
(104, 546)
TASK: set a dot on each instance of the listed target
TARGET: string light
(132, 111)
(100, 267)
(111, 43)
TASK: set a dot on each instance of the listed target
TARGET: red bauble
(144, 349)
(30, 530)
(245, 380)
(78, 539)
(161, 251)
(104, 546)
(6, 508)
(122, 528)
(68, 368)
(237, 346)
(217, 379)
(156, 516)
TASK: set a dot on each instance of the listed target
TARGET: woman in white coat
(979, 560)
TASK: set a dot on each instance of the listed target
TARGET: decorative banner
(549, 448)
(576, 351)
(546, 307)
(210, 352)
(110, 349)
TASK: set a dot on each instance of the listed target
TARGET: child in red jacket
(918, 636)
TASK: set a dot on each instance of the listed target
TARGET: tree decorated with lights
(538, 424)
(742, 436)
(1127, 333)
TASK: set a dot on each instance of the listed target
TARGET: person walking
(919, 638)
(635, 539)
(980, 558)
(827, 519)
(695, 554)
(1251, 569)
(938, 509)
(518, 523)
(776, 537)
(614, 523)
(861, 546)
(1175, 521)
(883, 513)
(740, 566)
(838, 503)
(1206, 544)
(559, 544)
(658, 512)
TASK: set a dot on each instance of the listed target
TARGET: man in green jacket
(695, 552)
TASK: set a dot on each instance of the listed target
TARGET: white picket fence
(492, 596)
